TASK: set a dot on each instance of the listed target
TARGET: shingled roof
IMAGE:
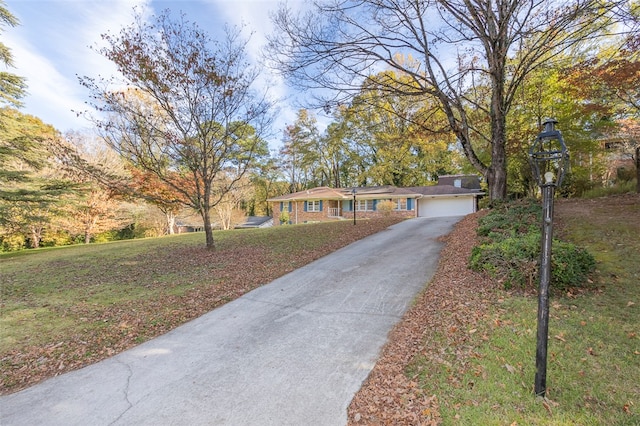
(447, 185)
(325, 193)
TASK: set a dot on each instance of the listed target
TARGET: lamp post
(353, 191)
(549, 161)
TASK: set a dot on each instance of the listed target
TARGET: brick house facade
(326, 204)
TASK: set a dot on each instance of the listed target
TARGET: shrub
(12, 242)
(56, 238)
(515, 262)
(507, 220)
(284, 217)
(512, 261)
(510, 250)
(385, 207)
(619, 188)
(570, 265)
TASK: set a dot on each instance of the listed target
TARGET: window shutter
(375, 204)
(320, 205)
(409, 203)
(305, 205)
(290, 209)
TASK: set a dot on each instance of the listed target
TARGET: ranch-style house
(454, 195)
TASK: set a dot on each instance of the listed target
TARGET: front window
(364, 205)
(401, 204)
(313, 206)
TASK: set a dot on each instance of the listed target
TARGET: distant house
(256, 222)
(455, 195)
(182, 227)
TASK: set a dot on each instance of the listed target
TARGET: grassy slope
(64, 308)
(465, 353)
(594, 358)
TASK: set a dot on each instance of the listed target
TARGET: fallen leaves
(234, 267)
(453, 304)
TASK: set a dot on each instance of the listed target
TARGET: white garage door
(445, 206)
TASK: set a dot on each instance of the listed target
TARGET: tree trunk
(638, 169)
(208, 230)
(171, 222)
(35, 238)
(497, 173)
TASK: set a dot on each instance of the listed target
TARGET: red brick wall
(323, 216)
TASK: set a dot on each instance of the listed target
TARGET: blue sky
(51, 46)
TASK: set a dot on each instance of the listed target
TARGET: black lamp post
(549, 161)
(353, 191)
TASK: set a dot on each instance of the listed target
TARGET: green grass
(623, 187)
(62, 308)
(593, 369)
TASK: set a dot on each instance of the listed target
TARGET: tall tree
(12, 87)
(399, 140)
(339, 42)
(268, 182)
(31, 186)
(95, 207)
(300, 152)
(196, 113)
(609, 82)
(228, 211)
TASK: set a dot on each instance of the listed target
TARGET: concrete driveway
(293, 352)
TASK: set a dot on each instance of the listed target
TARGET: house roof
(255, 221)
(325, 193)
(455, 185)
(375, 192)
(443, 190)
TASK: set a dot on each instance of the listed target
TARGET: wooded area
(414, 90)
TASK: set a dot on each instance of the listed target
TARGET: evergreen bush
(510, 249)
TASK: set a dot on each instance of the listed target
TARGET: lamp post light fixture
(549, 159)
(353, 191)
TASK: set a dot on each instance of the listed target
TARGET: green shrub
(507, 220)
(512, 261)
(570, 265)
(284, 217)
(623, 187)
(511, 244)
(515, 262)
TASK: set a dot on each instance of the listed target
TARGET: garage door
(445, 206)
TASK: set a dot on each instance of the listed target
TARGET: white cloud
(51, 94)
(51, 47)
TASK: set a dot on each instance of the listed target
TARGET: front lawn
(67, 307)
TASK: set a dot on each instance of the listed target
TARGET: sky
(51, 47)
